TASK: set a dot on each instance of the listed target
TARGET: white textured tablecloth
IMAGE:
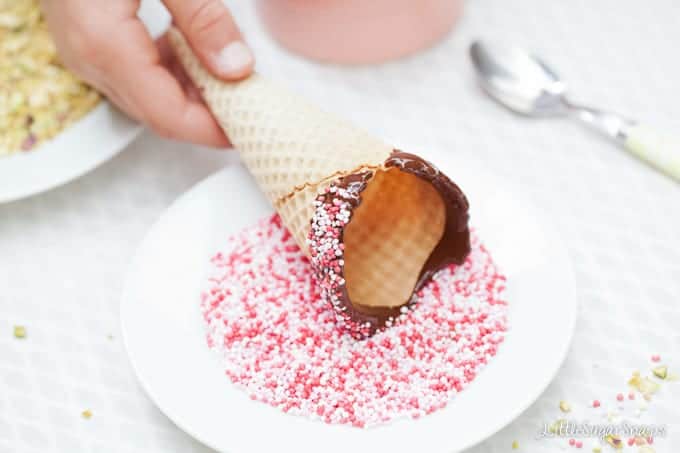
(63, 254)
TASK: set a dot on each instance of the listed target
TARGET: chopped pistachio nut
(661, 372)
(643, 385)
(87, 414)
(19, 332)
(635, 379)
(597, 450)
(564, 406)
(555, 427)
(38, 96)
(515, 445)
(614, 440)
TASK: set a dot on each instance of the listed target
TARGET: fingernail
(234, 58)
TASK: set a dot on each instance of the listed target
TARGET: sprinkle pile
(280, 341)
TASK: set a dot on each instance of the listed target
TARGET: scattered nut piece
(19, 332)
(87, 414)
(614, 440)
(515, 445)
(555, 427)
(564, 406)
(661, 372)
(643, 385)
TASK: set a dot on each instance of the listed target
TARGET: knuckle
(207, 15)
(159, 127)
(87, 44)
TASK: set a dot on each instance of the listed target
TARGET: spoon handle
(607, 123)
(659, 150)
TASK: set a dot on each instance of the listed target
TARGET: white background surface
(63, 254)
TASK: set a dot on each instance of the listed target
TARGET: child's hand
(108, 46)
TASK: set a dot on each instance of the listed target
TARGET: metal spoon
(526, 85)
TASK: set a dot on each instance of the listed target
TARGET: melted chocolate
(453, 247)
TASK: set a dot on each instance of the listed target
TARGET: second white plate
(165, 338)
(83, 146)
(93, 140)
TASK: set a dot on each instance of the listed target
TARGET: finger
(190, 90)
(132, 69)
(176, 68)
(159, 98)
(122, 104)
(214, 36)
(170, 61)
(113, 96)
(162, 104)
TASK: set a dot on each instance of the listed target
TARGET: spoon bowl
(526, 85)
(518, 80)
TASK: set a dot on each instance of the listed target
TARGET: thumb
(213, 35)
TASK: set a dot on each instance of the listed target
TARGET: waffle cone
(295, 151)
(290, 147)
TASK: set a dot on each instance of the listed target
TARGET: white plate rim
(80, 148)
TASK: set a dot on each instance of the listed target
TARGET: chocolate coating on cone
(453, 247)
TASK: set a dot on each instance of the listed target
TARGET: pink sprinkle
(279, 341)
(579, 444)
(631, 441)
(650, 440)
(596, 403)
(656, 358)
(631, 396)
(572, 442)
(619, 397)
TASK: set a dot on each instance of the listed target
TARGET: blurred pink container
(358, 31)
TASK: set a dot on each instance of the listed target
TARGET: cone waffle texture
(400, 220)
(294, 150)
(291, 148)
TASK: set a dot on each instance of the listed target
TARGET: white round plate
(91, 141)
(165, 338)
(83, 146)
